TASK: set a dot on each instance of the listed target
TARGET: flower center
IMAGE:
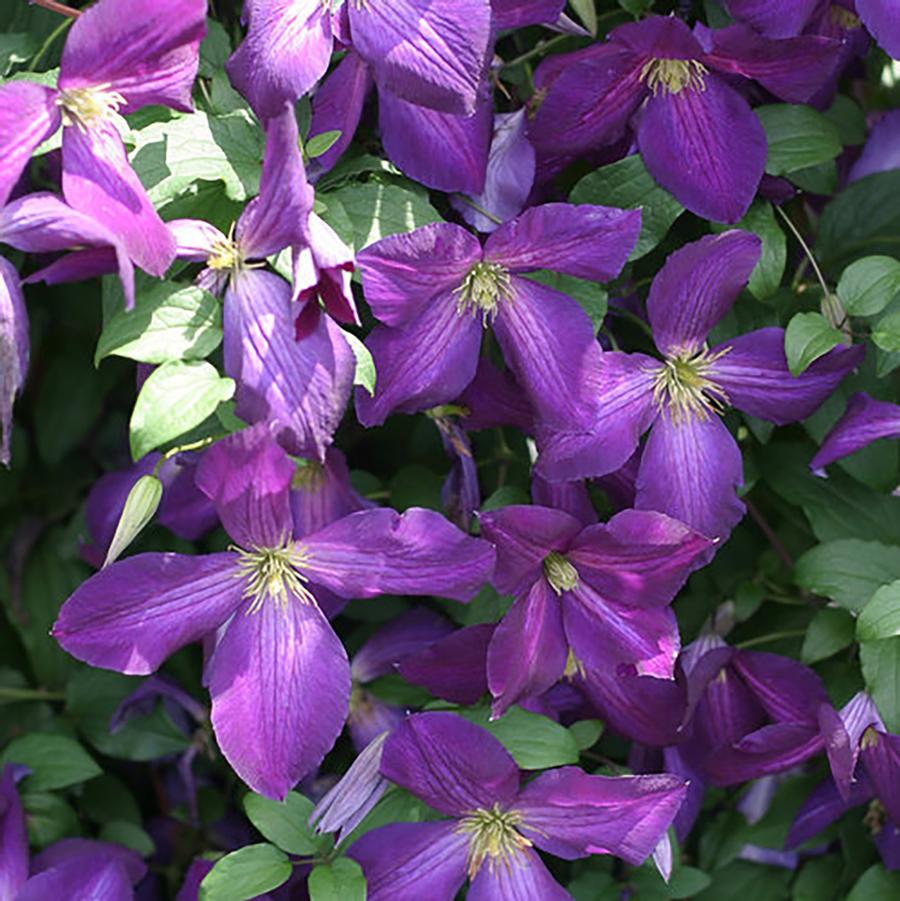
(273, 572)
(844, 18)
(574, 667)
(672, 76)
(308, 476)
(492, 836)
(683, 384)
(561, 575)
(484, 286)
(85, 106)
(875, 816)
(226, 254)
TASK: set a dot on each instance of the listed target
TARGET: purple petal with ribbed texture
(571, 814)
(79, 880)
(280, 685)
(755, 376)
(887, 841)
(822, 808)
(426, 362)
(321, 270)
(156, 53)
(665, 37)
(882, 19)
(527, 654)
(13, 838)
(15, 348)
(793, 69)
(460, 493)
(843, 732)
(434, 55)
(788, 689)
(385, 552)
(639, 558)
(773, 17)
(370, 717)
(865, 420)
(412, 861)
(98, 180)
(493, 398)
(882, 150)
(586, 241)
(286, 51)
(548, 342)
(401, 274)
(196, 873)
(444, 151)
(881, 756)
(28, 116)
(573, 497)
(450, 763)
(706, 147)
(522, 878)
(90, 851)
(524, 535)
(453, 668)
(185, 510)
(248, 477)
(80, 265)
(276, 218)
(195, 239)
(132, 615)
(690, 470)
(299, 388)
(697, 286)
(518, 13)
(409, 633)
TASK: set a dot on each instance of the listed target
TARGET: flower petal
(573, 497)
(15, 348)
(132, 615)
(79, 880)
(865, 420)
(280, 686)
(822, 808)
(882, 150)
(13, 838)
(772, 17)
(882, 19)
(881, 755)
(518, 13)
(788, 689)
(522, 878)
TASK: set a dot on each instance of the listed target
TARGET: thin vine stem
(479, 209)
(29, 694)
(60, 8)
(32, 64)
(772, 636)
(806, 250)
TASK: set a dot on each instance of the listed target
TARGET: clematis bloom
(865, 420)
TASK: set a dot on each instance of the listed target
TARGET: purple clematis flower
(587, 597)
(15, 349)
(864, 421)
(882, 150)
(436, 289)
(494, 825)
(691, 465)
(460, 493)
(697, 134)
(155, 61)
(278, 675)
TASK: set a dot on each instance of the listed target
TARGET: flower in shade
(155, 61)
(436, 290)
(493, 825)
(690, 464)
(460, 493)
(864, 421)
(278, 675)
(697, 134)
(15, 349)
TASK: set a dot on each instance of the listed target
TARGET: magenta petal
(523, 878)
(14, 350)
(80, 265)
(864, 421)
(527, 654)
(690, 470)
(28, 116)
(434, 55)
(706, 147)
(773, 17)
(280, 686)
(441, 150)
(755, 376)
(788, 689)
(452, 764)
(697, 286)
(13, 839)
(573, 497)
(428, 361)
(195, 239)
(412, 861)
(571, 814)
(384, 552)
(133, 614)
(882, 18)
(98, 180)
(771, 749)
(591, 242)
(286, 51)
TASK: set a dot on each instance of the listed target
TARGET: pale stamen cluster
(672, 76)
(83, 107)
(273, 573)
(485, 285)
(492, 837)
(561, 575)
(683, 385)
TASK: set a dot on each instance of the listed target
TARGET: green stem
(30, 694)
(182, 448)
(60, 8)
(772, 636)
(48, 42)
(479, 209)
(806, 250)
(537, 50)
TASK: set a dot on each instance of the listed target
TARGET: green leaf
(740, 880)
(591, 297)
(848, 117)
(886, 331)
(321, 143)
(55, 761)
(18, 48)
(586, 733)
(869, 285)
(880, 618)
(808, 337)
(168, 322)
(140, 505)
(766, 276)
(628, 185)
(819, 880)
(49, 818)
(798, 137)
(176, 397)
(829, 631)
(504, 496)
(284, 823)
(364, 374)
(587, 12)
(131, 835)
(847, 570)
(819, 179)
(881, 672)
(214, 49)
(876, 884)
(107, 798)
(246, 873)
(341, 880)
(686, 882)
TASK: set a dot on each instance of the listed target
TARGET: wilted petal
(864, 421)
(773, 17)
(755, 376)
(286, 51)
(384, 552)
(522, 878)
(571, 814)
(434, 55)
(697, 286)
(13, 838)
(14, 350)
(882, 18)
(133, 614)
(452, 764)
(881, 755)
(280, 685)
(707, 147)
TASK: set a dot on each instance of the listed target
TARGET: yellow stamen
(683, 385)
(844, 18)
(273, 573)
(83, 107)
(574, 667)
(875, 816)
(225, 253)
(492, 837)
(672, 76)
(561, 575)
(485, 285)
